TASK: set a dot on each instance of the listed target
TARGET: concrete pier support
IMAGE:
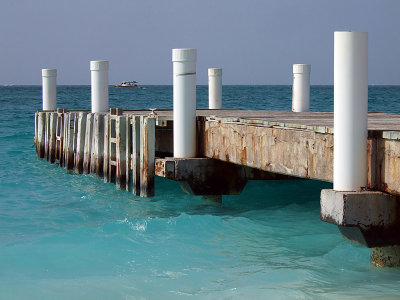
(368, 218)
(301, 88)
(386, 256)
(214, 88)
(49, 89)
(184, 81)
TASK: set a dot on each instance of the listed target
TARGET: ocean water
(67, 236)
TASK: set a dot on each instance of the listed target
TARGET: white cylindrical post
(184, 70)
(350, 110)
(214, 88)
(49, 89)
(301, 88)
(99, 81)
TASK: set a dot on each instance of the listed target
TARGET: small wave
(136, 226)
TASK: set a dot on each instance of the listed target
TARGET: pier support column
(184, 72)
(301, 88)
(350, 111)
(99, 85)
(52, 138)
(214, 88)
(49, 89)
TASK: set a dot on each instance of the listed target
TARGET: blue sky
(254, 41)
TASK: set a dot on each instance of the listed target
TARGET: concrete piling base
(369, 218)
(386, 256)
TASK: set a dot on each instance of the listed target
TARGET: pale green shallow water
(65, 236)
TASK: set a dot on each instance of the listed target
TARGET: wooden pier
(130, 147)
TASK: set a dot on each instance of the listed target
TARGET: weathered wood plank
(41, 134)
(52, 137)
(128, 153)
(88, 143)
(70, 143)
(136, 155)
(147, 156)
(106, 147)
(97, 153)
(120, 151)
(80, 142)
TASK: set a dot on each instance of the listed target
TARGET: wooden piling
(47, 136)
(136, 155)
(60, 124)
(36, 130)
(128, 152)
(110, 159)
(80, 142)
(97, 151)
(106, 146)
(52, 137)
(88, 144)
(147, 155)
(70, 139)
(120, 151)
(41, 133)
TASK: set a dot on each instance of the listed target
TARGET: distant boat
(128, 84)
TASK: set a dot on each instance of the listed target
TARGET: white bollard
(214, 88)
(49, 89)
(350, 110)
(184, 71)
(99, 82)
(301, 88)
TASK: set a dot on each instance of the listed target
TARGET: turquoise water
(66, 236)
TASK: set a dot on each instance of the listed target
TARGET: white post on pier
(99, 82)
(184, 72)
(49, 89)
(301, 88)
(350, 110)
(214, 88)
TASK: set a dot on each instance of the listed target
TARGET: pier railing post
(214, 88)
(99, 85)
(301, 88)
(49, 89)
(184, 94)
(350, 110)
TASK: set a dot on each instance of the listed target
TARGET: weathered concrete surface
(292, 152)
(386, 256)
(205, 176)
(369, 218)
